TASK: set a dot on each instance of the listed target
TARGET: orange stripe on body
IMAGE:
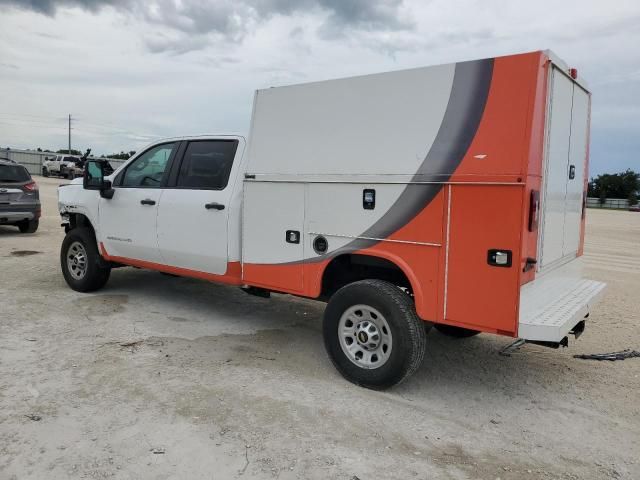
(233, 276)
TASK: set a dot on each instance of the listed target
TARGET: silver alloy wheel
(365, 336)
(77, 260)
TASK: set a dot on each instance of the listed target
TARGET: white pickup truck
(450, 196)
(60, 166)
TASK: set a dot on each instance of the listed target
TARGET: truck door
(194, 207)
(565, 162)
(128, 220)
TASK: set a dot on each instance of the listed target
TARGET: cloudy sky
(130, 71)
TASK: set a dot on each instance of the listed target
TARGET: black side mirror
(93, 178)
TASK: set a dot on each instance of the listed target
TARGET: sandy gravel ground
(168, 378)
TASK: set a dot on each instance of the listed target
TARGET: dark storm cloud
(231, 19)
(49, 7)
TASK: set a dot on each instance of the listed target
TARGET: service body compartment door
(577, 171)
(482, 287)
(556, 169)
(272, 235)
(565, 170)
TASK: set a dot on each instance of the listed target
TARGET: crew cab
(449, 196)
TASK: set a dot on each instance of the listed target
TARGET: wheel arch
(77, 220)
(352, 267)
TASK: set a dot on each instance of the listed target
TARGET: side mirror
(93, 178)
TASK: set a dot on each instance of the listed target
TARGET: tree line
(624, 185)
(119, 156)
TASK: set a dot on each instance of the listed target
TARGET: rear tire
(28, 226)
(373, 335)
(455, 332)
(45, 172)
(82, 267)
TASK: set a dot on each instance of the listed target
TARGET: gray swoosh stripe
(469, 93)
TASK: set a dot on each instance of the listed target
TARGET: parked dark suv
(19, 197)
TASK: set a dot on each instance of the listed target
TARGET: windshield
(13, 173)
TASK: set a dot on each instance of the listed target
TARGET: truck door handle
(214, 205)
(148, 201)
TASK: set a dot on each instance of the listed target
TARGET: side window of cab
(149, 170)
(206, 164)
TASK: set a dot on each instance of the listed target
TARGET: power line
(92, 127)
(34, 125)
(32, 116)
(28, 123)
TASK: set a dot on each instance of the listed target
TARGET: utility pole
(69, 150)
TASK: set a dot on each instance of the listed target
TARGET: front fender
(75, 200)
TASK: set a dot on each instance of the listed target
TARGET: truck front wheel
(373, 334)
(82, 267)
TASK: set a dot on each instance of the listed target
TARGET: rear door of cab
(194, 206)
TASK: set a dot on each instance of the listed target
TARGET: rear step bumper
(548, 315)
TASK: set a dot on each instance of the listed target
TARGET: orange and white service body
(462, 159)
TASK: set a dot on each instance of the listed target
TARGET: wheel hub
(365, 336)
(77, 260)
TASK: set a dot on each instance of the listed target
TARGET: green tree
(119, 156)
(616, 185)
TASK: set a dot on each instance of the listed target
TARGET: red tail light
(534, 210)
(30, 187)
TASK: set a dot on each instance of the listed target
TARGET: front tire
(82, 267)
(45, 172)
(373, 334)
(29, 226)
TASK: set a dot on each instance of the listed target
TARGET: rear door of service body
(128, 220)
(565, 164)
(193, 211)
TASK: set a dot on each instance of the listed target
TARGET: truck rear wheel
(373, 334)
(456, 332)
(82, 267)
(45, 172)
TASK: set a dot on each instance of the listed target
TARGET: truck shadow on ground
(471, 368)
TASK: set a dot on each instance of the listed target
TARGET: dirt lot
(161, 377)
